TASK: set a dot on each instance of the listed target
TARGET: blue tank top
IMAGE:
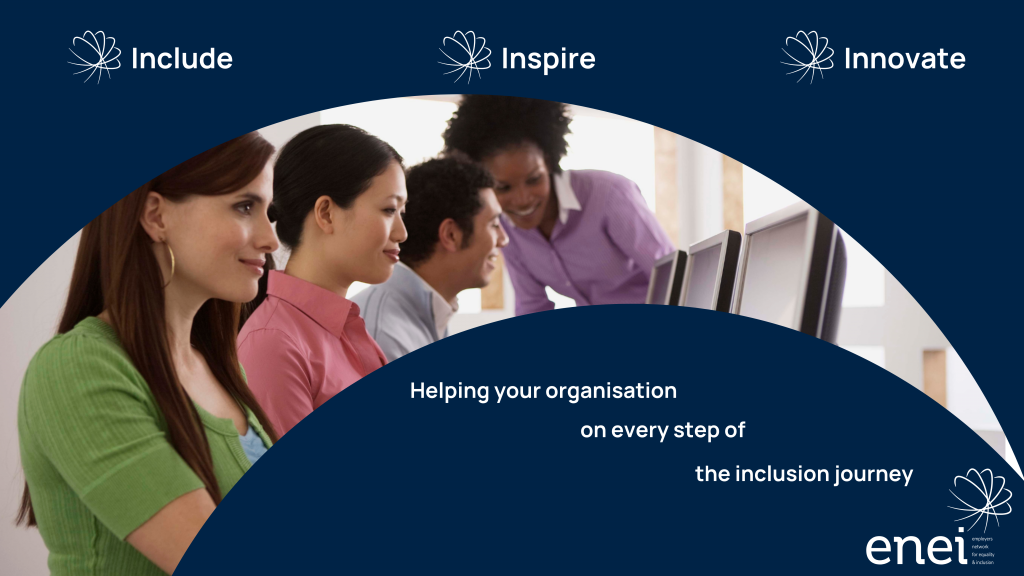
(253, 446)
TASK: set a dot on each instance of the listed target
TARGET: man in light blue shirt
(455, 236)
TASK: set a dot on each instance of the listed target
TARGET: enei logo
(97, 54)
(809, 53)
(983, 495)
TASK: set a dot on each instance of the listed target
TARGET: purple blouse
(601, 251)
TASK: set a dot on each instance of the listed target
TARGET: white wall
(901, 326)
(27, 321)
(699, 181)
(279, 134)
(964, 397)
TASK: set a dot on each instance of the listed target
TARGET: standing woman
(587, 234)
(338, 194)
(135, 420)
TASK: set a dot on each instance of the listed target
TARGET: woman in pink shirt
(338, 197)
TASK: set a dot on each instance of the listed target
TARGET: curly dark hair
(440, 189)
(484, 125)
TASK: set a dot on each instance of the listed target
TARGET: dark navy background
(920, 166)
(377, 482)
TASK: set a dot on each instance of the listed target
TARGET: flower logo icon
(982, 498)
(815, 56)
(100, 54)
(470, 56)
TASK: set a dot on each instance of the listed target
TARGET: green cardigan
(96, 455)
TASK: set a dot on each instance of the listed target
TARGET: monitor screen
(772, 282)
(661, 278)
(703, 274)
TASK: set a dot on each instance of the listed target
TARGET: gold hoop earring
(171, 252)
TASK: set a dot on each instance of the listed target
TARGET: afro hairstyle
(484, 125)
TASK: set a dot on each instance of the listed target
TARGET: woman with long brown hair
(136, 419)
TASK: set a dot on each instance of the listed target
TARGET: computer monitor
(792, 272)
(667, 279)
(711, 272)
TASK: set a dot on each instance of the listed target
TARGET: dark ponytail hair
(335, 160)
(116, 271)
